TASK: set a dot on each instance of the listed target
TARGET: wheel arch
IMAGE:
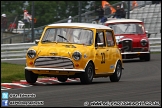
(116, 64)
(90, 61)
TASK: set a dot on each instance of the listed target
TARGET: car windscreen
(127, 28)
(68, 35)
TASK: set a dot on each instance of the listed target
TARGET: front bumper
(54, 69)
(125, 53)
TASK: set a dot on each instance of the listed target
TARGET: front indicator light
(77, 65)
(31, 63)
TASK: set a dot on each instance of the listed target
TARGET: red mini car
(131, 37)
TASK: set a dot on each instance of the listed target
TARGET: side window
(49, 35)
(109, 38)
(100, 38)
(140, 29)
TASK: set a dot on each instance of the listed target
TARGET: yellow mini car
(74, 50)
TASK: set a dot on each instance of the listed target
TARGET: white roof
(123, 20)
(86, 25)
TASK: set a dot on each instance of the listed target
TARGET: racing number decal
(103, 58)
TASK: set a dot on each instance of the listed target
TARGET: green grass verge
(155, 52)
(11, 72)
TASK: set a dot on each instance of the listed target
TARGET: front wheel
(146, 57)
(117, 74)
(62, 78)
(87, 76)
(30, 77)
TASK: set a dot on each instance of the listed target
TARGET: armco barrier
(18, 51)
(14, 51)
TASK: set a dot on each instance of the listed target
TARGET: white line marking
(15, 84)
(4, 88)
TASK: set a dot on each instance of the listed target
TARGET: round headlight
(144, 42)
(118, 38)
(77, 55)
(31, 53)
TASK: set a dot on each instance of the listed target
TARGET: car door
(112, 51)
(100, 57)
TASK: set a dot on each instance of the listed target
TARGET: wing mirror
(36, 41)
(148, 34)
(100, 44)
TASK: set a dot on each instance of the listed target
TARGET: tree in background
(46, 12)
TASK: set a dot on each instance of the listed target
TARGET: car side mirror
(36, 41)
(148, 34)
(99, 44)
(120, 42)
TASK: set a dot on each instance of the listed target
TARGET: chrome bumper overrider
(135, 53)
(55, 69)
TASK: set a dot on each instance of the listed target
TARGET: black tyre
(146, 57)
(30, 77)
(142, 58)
(62, 78)
(117, 74)
(87, 76)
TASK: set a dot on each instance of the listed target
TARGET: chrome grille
(137, 49)
(127, 45)
(54, 62)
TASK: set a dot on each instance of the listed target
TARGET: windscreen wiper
(126, 28)
(63, 38)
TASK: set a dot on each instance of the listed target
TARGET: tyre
(87, 76)
(62, 78)
(30, 77)
(146, 57)
(117, 74)
(142, 58)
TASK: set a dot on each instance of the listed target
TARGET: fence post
(10, 41)
(79, 8)
(32, 23)
(145, 2)
(1, 37)
(128, 11)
